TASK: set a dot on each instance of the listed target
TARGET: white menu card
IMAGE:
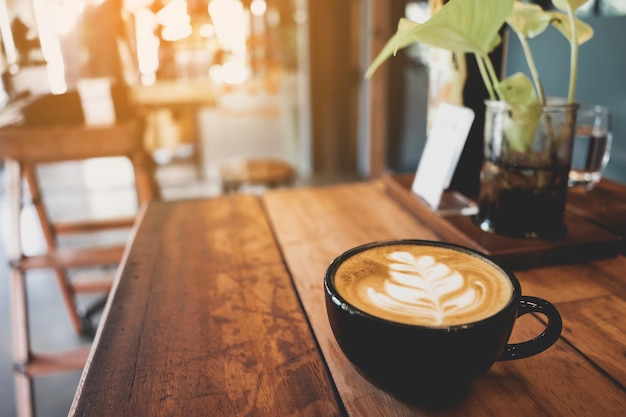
(444, 145)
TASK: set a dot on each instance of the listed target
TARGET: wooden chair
(266, 172)
(22, 149)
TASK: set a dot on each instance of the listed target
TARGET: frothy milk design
(419, 285)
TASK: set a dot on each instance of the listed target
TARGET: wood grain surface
(204, 321)
(604, 205)
(219, 311)
(581, 375)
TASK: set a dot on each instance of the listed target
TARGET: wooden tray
(584, 241)
(604, 205)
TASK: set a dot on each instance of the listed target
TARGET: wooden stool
(23, 148)
(265, 172)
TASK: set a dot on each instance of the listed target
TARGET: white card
(441, 154)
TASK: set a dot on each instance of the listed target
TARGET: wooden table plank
(204, 321)
(315, 225)
(568, 283)
(604, 205)
(591, 298)
(599, 331)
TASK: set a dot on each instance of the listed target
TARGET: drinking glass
(592, 146)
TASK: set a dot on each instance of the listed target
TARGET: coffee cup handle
(542, 342)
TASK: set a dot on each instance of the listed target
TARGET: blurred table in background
(170, 109)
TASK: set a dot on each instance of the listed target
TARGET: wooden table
(219, 311)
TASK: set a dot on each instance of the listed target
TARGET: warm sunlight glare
(147, 45)
(258, 7)
(175, 21)
(64, 15)
(229, 19)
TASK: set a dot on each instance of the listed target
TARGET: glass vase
(523, 181)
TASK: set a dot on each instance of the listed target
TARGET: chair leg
(86, 314)
(67, 291)
(19, 321)
(145, 182)
(19, 306)
(24, 395)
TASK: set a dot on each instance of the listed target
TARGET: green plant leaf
(521, 124)
(524, 109)
(472, 26)
(464, 26)
(584, 32)
(517, 89)
(528, 20)
(399, 40)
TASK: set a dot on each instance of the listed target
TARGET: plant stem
(533, 69)
(487, 74)
(573, 56)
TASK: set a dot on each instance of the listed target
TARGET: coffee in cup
(423, 285)
(421, 319)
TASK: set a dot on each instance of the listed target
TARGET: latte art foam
(420, 287)
(425, 285)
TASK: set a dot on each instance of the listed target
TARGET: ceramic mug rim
(343, 304)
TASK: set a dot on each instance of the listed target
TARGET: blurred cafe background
(196, 67)
(221, 80)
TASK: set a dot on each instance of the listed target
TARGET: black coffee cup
(428, 360)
